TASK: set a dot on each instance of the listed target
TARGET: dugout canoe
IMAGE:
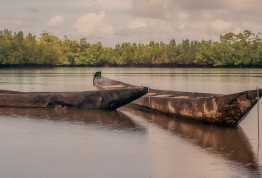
(222, 109)
(91, 100)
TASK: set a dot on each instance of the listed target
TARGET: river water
(128, 142)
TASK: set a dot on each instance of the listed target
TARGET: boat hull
(205, 107)
(224, 110)
(92, 100)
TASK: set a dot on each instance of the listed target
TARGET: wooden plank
(181, 97)
(168, 95)
(114, 86)
(150, 94)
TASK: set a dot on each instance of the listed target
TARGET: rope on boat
(258, 112)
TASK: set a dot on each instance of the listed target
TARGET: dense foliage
(233, 50)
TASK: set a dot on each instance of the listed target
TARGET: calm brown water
(126, 143)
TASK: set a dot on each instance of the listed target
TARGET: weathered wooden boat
(229, 109)
(92, 100)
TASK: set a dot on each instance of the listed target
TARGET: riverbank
(125, 65)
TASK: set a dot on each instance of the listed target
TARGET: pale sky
(135, 21)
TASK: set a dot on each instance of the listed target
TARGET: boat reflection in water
(231, 143)
(103, 119)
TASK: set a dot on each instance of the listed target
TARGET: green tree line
(233, 50)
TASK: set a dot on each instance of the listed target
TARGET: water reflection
(80, 143)
(229, 143)
(103, 119)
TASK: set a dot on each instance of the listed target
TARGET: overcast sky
(139, 21)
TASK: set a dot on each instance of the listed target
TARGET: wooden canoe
(220, 109)
(91, 100)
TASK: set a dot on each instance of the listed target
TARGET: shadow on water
(230, 143)
(104, 119)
